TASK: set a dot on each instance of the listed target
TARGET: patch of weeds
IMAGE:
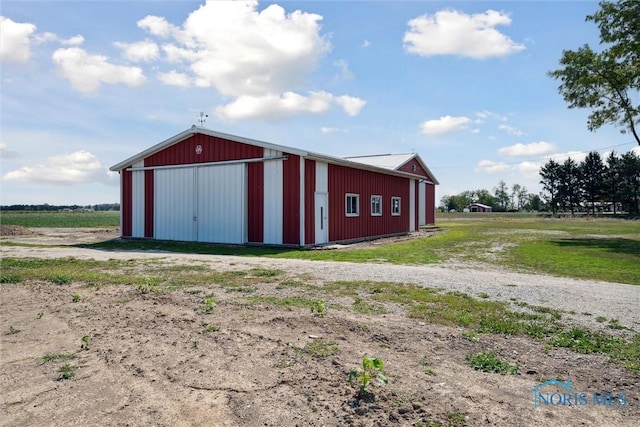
(318, 308)
(471, 335)
(193, 291)
(489, 362)
(585, 341)
(319, 347)
(211, 328)
(586, 313)
(290, 283)
(601, 319)
(363, 307)
(265, 272)
(75, 298)
(372, 368)
(483, 295)
(150, 284)
(13, 331)
(52, 357)
(628, 353)
(241, 289)
(426, 363)
(456, 419)
(39, 315)
(58, 279)
(195, 344)
(554, 313)
(10, 278)
(66, 372)
(615, 324)
(86, 340)
(208, 304)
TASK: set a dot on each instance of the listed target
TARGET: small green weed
(208, 304)
(372, 368)
(75, 298)
(319, 347)
(456, 419)
(212, 328)
(66, 372)
(52, 357)
(13, 331)
(195, 344)
(489, 362)
(39, 315)
(86, 340)
(149, 285)
(318, 308)
(363, 307)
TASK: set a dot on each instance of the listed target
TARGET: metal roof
(387, 163)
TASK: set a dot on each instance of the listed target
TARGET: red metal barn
(206, 186)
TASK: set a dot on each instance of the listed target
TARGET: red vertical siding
(431, 204)
(416, 205)
(344, 180)
(309, 202)
(126, 210)
(148, 203)
(410, 165)
(291, 200)
(255, 202)
(213, 150)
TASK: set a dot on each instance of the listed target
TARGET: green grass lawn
(61, 219)
(591, 248)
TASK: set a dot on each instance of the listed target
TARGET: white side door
(321, 203)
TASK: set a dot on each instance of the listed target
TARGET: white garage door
(222, 205)
(206, 204)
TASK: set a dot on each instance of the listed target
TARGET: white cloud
(366, 44)
(444, 125)
(350, 104)
(75, 168)
(274, 106)
(578, 156)
(6, 153)
(491, 167)
(15, 43)
(157, 26)
(344, 74)
(510, 130)
(327, 130)
(86, 71)
(449, 32)
(534, 149)
(175, 78)
(529, 170)
(143, 51)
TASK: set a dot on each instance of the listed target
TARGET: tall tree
(569, 185)
(592, 179)
(630, 179)
(501, 194)
(612, 182)
(550, 174)
(607, 82)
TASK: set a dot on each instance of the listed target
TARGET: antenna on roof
(203, 118)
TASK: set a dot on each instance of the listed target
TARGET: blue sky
(87, 84)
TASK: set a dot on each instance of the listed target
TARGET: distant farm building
(206, 186)
(478, 207)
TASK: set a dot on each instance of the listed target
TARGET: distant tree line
(48, 207)
(593, 184)
(503, 198)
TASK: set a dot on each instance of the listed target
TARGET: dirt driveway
(159, 358)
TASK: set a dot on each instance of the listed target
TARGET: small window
(352, 202)
(395, 206)
(376, 205)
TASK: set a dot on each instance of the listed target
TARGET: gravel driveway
(586, 298)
